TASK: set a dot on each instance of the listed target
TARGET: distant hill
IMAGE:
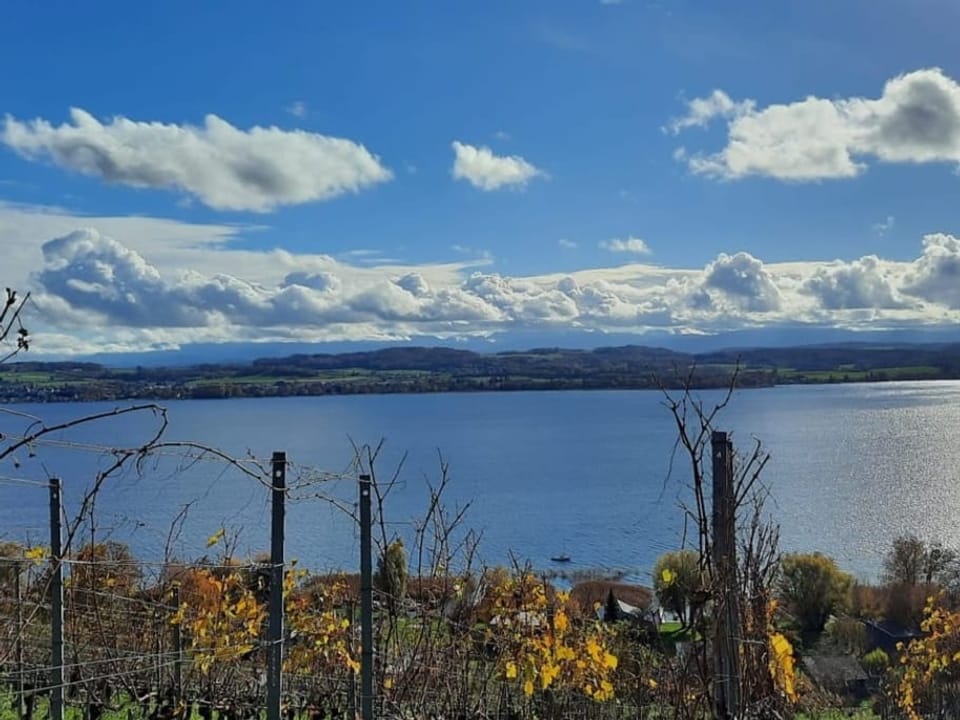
(414, 369)
(769, 337)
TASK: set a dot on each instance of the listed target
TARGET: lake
(581, 473)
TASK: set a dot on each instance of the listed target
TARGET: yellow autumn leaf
(528, 688)
(216, 537)
(387, 683)
(36, 554)
(668, 576)
(548, 674)
(511, 672)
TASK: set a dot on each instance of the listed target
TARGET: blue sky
(384, 171)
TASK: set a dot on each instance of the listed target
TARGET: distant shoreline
(444, 370)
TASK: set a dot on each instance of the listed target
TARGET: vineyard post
(158, 650)
(56, 602)
(366, 602)
(20, 686)
(275, 620)
(726, 668)
(178, 648)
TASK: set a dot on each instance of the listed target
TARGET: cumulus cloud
(626, 245)
(916, 119)
(223, 166)
(863, 283)
(321, 281)
(935, 275)
(486, 171)
(743, 279)
(95, 273)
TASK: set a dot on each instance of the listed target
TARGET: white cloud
(935, 275)
(147, 283)
(297, 108)
(743, 279)
(222, 166)
(885, 226)
(626, 245)
(916, 119)
(98, 276)
(700, 111)
(486, 171)
(567, 244)
(864, 283)
(502, 135)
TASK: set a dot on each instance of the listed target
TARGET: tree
(676, 576)
(911, 561)
(812, 588)
(904, 562)
(11, 324)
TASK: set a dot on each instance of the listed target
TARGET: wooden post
(158, 650)
(726, 670)
(275, 632)
(56, 601)
(20, 685)
(366, 601)
(178, 648)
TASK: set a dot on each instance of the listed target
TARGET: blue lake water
(581, 473)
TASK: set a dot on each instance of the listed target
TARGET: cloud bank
(91, 285)
(222, 166)
(916, 119)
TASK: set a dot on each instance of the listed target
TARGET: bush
(812, 588)
(876, 662)
(391, 577)
(847, 633)
(869, 602)
(905, 603)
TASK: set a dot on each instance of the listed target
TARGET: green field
(848, 373)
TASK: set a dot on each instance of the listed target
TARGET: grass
(848, 374)
(861, 713)
(34, 378)
(672, 632)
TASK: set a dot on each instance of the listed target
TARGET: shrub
(848, 633)
(876, 662)
(905, 603)
(391, 577)
(676, 576)
(869, 602)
